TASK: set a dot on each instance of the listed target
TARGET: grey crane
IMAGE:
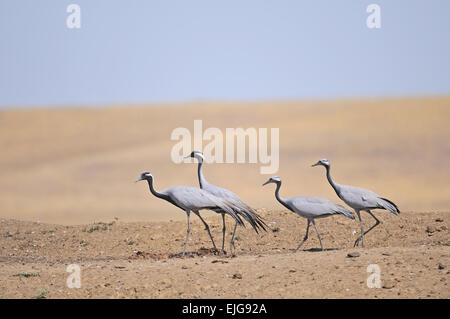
(244, 211)
(309, 207)
(193, 199)
(359, 199)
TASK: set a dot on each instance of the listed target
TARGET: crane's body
(312, 207)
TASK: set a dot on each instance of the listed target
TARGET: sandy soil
(139, 260)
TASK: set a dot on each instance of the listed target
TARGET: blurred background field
(78, 165)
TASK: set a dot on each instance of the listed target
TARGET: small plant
(93, 228)
(27, 274)
(100, 226)
(51, 231)
(276, 229)
(42, 294)
(131, 242)
(83, 243)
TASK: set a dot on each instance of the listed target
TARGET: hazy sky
(189, 50)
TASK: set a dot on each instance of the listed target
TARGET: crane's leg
(232, 238)
(223, 232)
(188, 213)
(207, 229)
(362, 230)
(318, 234)
(305, 238)
(377, 222)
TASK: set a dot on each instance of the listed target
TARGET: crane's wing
(366, 199)
(244, 210)
(193, 198)
(316, 207)
(220, 192)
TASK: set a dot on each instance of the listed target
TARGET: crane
(245, 211)
(193, 199)
(359, 199)
(309, 207)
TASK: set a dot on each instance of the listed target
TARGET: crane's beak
(139, 179)
(318, 163)
(269, 181)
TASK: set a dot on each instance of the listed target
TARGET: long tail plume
(388, 205)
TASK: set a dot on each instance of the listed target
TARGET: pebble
(389, 285)
(431, 229)
(353, 254)
(441, 266)
(237, 276)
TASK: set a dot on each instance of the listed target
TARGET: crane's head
(144, 176)
(323, 162)
(198, 155)
(273, 179)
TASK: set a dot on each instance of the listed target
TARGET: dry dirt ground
(139, 260)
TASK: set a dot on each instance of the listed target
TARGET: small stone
(353, 254)
(237, 276)
(431, 229)
(439, 220)
(184, 267)
(389, 285)
(441, 266)
(292, 270)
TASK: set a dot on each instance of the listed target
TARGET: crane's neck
(332, 183)
(153, 191)
(201, 177)
(279, 198)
